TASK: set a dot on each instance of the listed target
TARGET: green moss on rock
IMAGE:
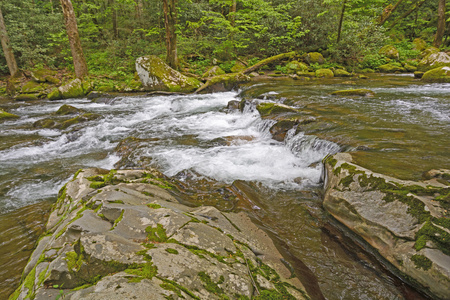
(296, 66)
(26, 97)
(341, 73)
(6, 115)
(389, 51)
(55, 94)
(419, 44)
(68, 110)
(32, 87)
(421, 262)
(267, 109)
(324, 73)
(391, 68)
(314, 58)
(438, 75)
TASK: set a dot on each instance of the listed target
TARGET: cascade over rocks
(66, 116)
(405, 221)
(156, 75)
(122, 235)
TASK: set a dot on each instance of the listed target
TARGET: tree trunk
(170, 20)
(232, 12)
(388, 12)
(114, 18)
(340, 21)
(7, 50)
(79, 62)
(440, 25)
(417, 5)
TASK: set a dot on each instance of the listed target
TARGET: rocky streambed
(259, 153)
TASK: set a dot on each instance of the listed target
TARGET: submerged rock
(122, 235)
(156, 75)
(405, 221)
(267, 109)
(439, 75)
(60, 120)
(355, 92)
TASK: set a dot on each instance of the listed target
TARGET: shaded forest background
(115, 32)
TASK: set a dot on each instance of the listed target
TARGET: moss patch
(266, 109)
(421, 262)
(355, 92)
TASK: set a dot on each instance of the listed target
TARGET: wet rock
(355, 92)
(324, 73)
(156, 75)
(223, 83)
(152, 248)
(389, 51)
(60, 121)
(433, 61)
(233, 105)
(440, 75)
(267, 109)
(405, 221)
(68, 110)
(418, 74)
(6, 115)
(314, 58)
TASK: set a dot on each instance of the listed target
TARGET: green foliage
(372, 61)
(421, 262)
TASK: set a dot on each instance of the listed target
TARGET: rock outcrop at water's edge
(122, 235)
(406, 222)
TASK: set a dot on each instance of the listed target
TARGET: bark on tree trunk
(7, 50)
(233, 11)
(170, 20)
(388, 12)
(340, 21)
(440, 25)
(114, 18)
(79, 62)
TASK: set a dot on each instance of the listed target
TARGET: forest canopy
(115, 32)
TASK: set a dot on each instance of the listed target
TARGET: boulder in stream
(438, 75)
(122, 235)
(406, 222)
(6, 115)
(354, 92)
(156, 75)
(269, 109)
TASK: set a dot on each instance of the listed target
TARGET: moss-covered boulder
(156, 75)
(418, 74)
(44, 75)
(439, 75)
(407, 222)
(296, 66)
(428, 51)
(213, 71)
(324, 73)
(268, 109)
(32, 87)
(392, 67)
(355, 92)
(223, 83)
(238, 67)
(410, 68)
(341, 73)
(68, 110)
(123, 235)
(314, 58)
(26, 97)
(389, 51)
(434, 60)
(74, 89)
(419, 44)
(6, 115)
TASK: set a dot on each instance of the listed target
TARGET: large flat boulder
(156, 75)
(406, 222)
(122, 235)
(433, 61)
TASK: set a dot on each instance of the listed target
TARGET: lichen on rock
(156, 75)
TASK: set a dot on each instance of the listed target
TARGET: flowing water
(228, 159)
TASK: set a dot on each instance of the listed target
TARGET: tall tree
(388, 12)
(7, 50)
(440, 25)
(170, 21)
(79, 62)
(340, 21)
